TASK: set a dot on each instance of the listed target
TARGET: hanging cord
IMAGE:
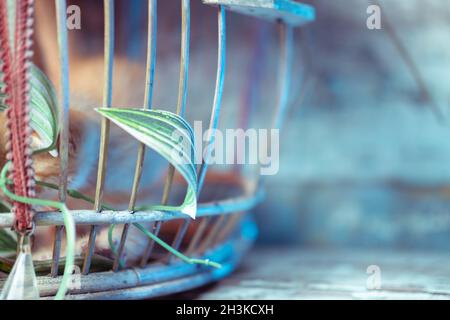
(19, 153)
(16, 77)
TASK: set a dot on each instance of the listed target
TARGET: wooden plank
(298, 273)
(290, 12)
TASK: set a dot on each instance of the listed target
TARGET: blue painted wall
(370, 166)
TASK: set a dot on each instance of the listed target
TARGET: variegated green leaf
(8, 243)
(169, 135)
(4, 207)
(44, 118)
(44, 109)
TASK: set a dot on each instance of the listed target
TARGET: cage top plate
(290, 12)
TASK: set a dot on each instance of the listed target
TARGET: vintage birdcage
(224, 230)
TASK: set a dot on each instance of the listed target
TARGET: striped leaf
(8, 243)
(44, 109)
(170, 136)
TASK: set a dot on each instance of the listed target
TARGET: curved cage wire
(224, 230)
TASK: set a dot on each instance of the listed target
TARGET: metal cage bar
(157, 280)
(248, 102)
(215, 113)
(182, 87)
(91, 217)
(181, 110)
(285, 73)
(105, 126)
(284, 82)
(149, 83)
(217, 104)
(61, 8)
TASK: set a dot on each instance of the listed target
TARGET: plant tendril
(80, 196)
(68, 223)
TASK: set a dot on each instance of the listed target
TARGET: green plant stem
(158, 240)
(68, 223)
(176, 253)
(72, 193)
(78, 195)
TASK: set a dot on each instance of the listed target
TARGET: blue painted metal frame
(158, 280)
(290, 12)
(163, 280)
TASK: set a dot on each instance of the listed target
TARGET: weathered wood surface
(305, 274)
(293, 13)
